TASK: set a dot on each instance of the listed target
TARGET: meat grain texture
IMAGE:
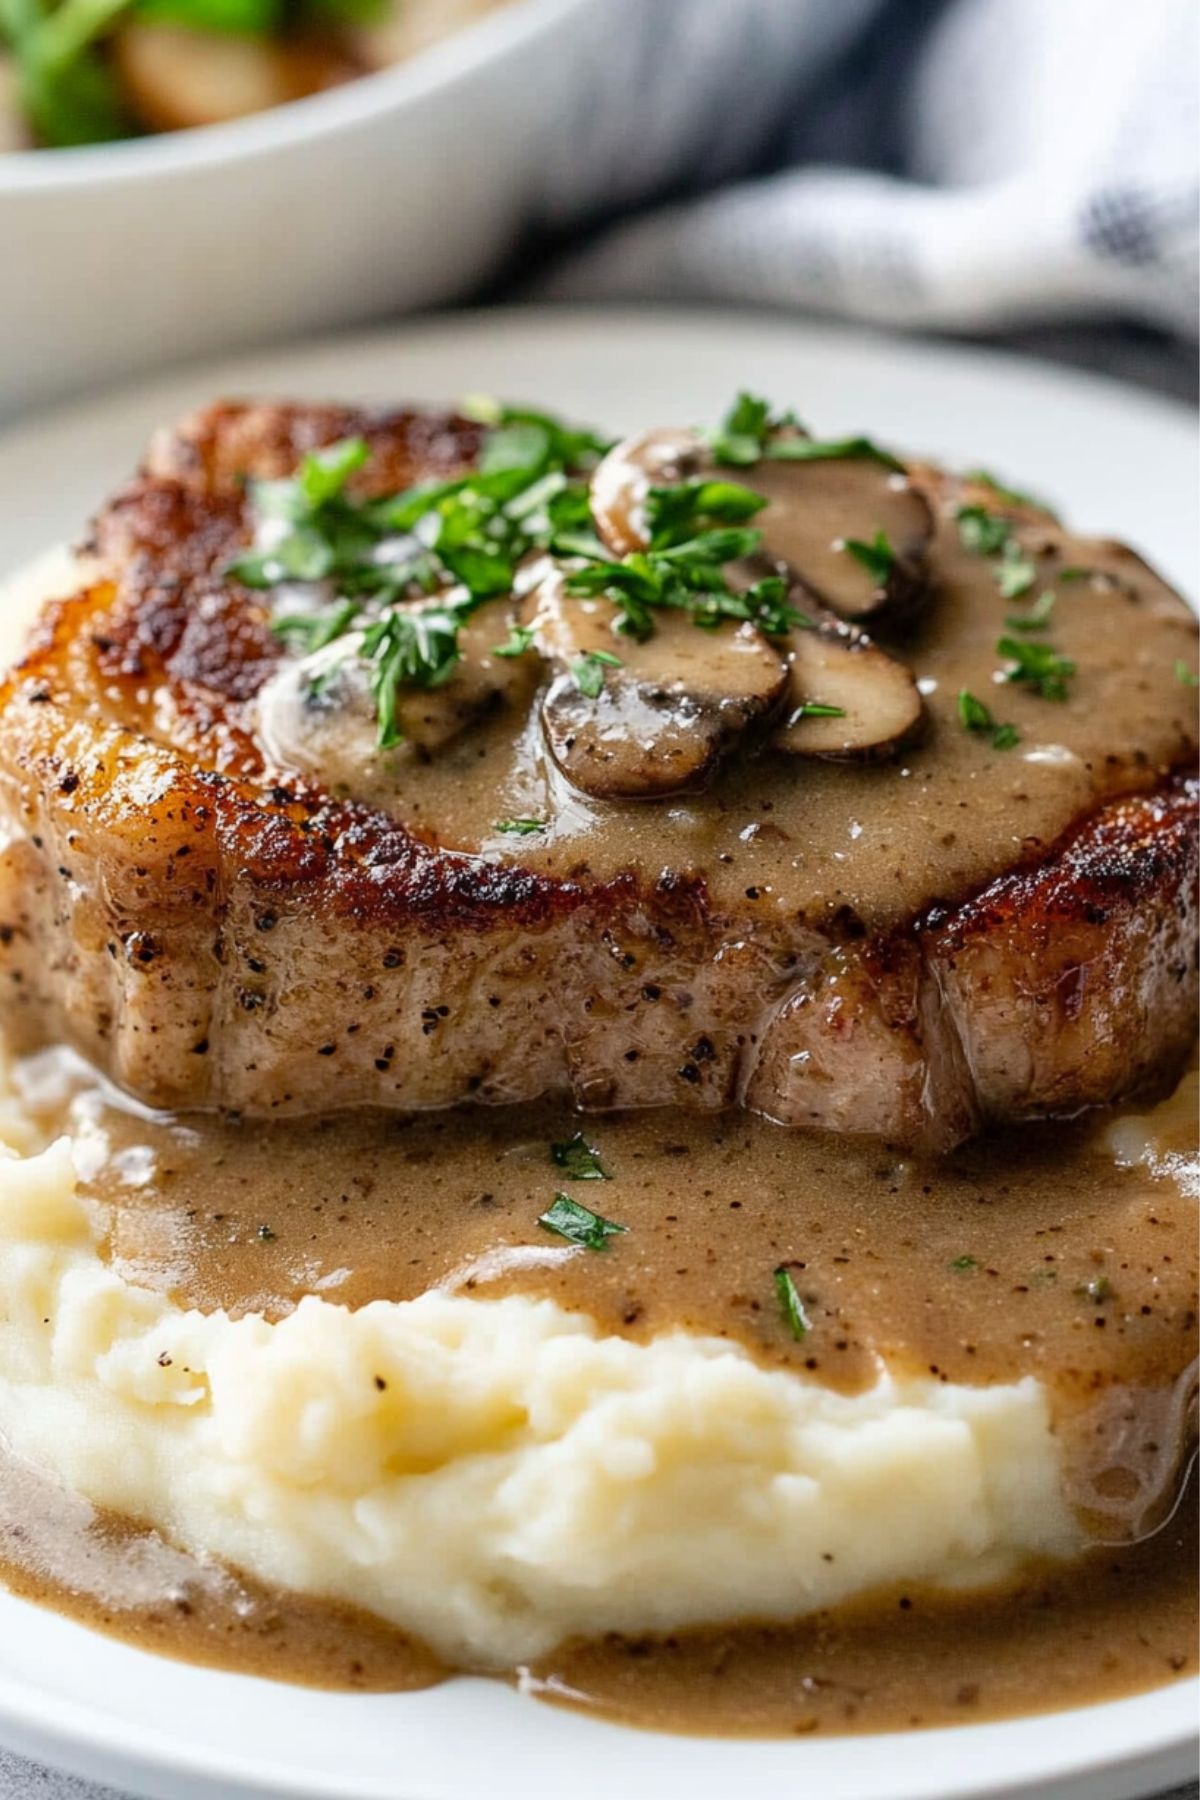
(217, 932)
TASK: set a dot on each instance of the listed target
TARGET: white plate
(1116, 461)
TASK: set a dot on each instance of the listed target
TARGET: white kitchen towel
(966, 165)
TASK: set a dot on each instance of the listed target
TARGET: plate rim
(84, 1740)
(81, 1736)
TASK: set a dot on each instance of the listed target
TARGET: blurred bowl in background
(395, 191)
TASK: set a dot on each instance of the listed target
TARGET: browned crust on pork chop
(216, 935)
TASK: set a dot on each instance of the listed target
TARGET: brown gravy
(1030, 1255)
(883, 839)
(1119, 1622)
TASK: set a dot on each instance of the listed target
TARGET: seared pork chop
(984, 928)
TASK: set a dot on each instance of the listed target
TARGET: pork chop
(995, 924)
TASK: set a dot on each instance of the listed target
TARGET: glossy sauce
(802, 838)
(1031, 1255)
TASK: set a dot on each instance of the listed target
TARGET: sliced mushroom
(865, 705)
(622, 480)
(854, 532)
(666, 711)
(318, 714)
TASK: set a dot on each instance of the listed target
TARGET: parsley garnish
(1010, 495)
(689, 576)
(983, 533)
(963, 1264)
(1184, 675)
(579, 1159)
(466, 534)
(1097, 1290)
(578, 1224)
(815, 709)
(520, 639)
(1017, 572)
(678, 514)
(520, 827)
(790, 1304)
(750, 433)
(851, 449)
(589, 671)
(313, 631)
(1038, 616)
(555, 446)
(975, 716)
(417, 648)
(1040, 667)
(877, 558)
(738, 440)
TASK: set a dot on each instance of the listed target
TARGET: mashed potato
(495, 1475)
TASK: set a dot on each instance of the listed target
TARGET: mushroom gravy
(802, 838)
(1029, 1254)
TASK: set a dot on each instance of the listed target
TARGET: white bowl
(394, 192)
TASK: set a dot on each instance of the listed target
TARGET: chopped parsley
(1009, 495)
(310, 632)
(962, 1265)
(850, 449)
(589, 671)
(579, 1160)
(409, 649)
(1038, 666)
(740, 438)
(790, 1304)
(519, 640)
(461, 539)
(816, 709)
(1038, 616)
(520, 827)
(689, 577)
(544, 440)
(975, 716)
(986, 533)
(877, 558)
(1097, 1290)
(1184, 675)
(1017, 572)
(750, 432)
(983, 533)
(578, 1224)
(678, 514)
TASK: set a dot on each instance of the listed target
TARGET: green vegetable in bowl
(89, 71)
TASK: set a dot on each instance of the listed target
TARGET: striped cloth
(977, 166)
